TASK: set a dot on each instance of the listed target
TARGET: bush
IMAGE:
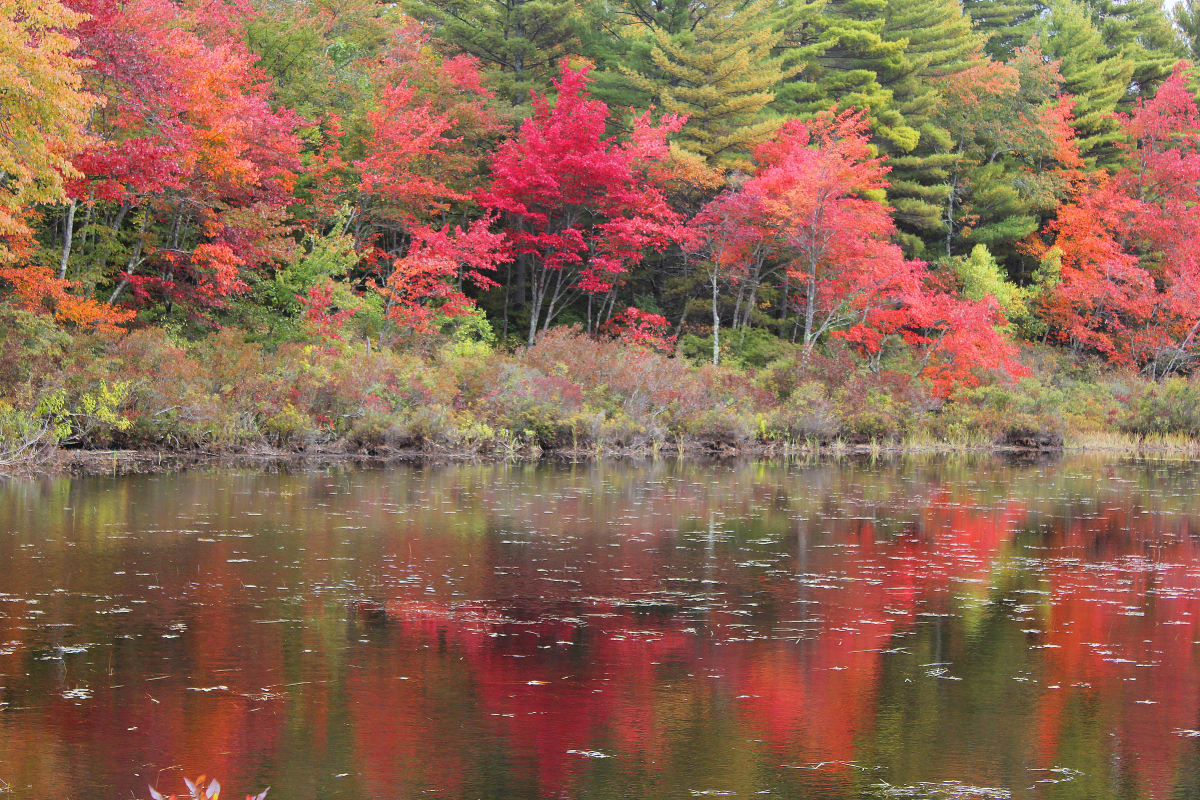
(881, 407)
(31, 346)
(541, 408)
(289, 428)
(807, 414)
(151, 389)
(616, 378)
(432, 425)
(1170, 407)
(719, 426)
(25, 435)
(752, 348)
(1025, 414)
(376, 430)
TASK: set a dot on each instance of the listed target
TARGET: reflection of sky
(928, 627)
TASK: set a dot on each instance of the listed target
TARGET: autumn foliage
(638, 327)
(812, 211)
(1126, 247)
(188, 140)
(585, 205)
(202, 789)
(355, 174)
(43, 108)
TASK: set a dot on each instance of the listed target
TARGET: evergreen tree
(1007, 24)
(838, 45)
(1186, 15)
(718, 72)
(1014, 151)
(1092, 74)
(1141, 32)
(519, 41)
(941, 43)
(1002, 214)
(673, 16)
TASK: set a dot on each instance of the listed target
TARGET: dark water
(915, 629)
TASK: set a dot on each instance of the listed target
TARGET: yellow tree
(43, 110)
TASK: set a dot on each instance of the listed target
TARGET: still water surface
(963, 628)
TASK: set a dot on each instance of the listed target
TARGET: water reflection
(942, 628)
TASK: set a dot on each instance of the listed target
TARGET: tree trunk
(535, 306)
(68, 235)
(507, 294)
(716, 323)
(520, 279)
(749, 308)
(783, 305)
(810, 313)
(87, 226)
(737, 305)
(950, 216)
(133, 259)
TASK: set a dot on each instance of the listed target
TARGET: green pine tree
(941, 43)
(720, 73)
(1186, 15)
(1096, 77)
(1007, 133)
(839, 47)
(519, 41)
(1007, 24)
(1003, 214)
(1141, 32)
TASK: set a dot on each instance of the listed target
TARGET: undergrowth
(568, 393)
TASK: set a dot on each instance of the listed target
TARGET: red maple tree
(813, 207)
(583, 206)
(1126, 246)
(421, 161)
(195, 162)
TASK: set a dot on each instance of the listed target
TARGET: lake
(949, 628)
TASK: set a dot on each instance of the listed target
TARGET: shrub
(752, 347)
(719, 426)
(1028, 413)
(432, 425)
(289, 428)
(376, 430)
(542, 408)
(152, 389)
(1170, 407)
(617, 378)
(618, 430)
(881, 407)
(755, 348)
(808, 414)
(833, 366)
(31, 346)
(24, 435)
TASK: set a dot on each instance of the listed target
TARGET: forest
(514, 227)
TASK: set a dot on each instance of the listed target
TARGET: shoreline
(79, 462)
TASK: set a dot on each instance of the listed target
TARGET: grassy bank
(568, 395)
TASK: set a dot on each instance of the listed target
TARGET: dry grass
(1131, 444)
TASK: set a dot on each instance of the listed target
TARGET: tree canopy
(917, 179)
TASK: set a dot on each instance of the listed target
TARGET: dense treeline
(886, 200)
